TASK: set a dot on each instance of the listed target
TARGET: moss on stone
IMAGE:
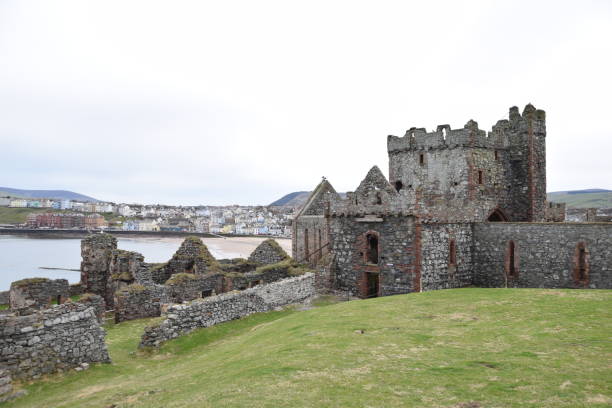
(123, 276)
(287, 263)
(133, 288)
(179, 278)
(29, 281)
(86, 297)
(276, 247)
(158, 266)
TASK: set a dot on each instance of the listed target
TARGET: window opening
(421, 159)
(452, 253)
(582, 266)
(398, 186)
(511, 259)
(479, 176)
(372, 254)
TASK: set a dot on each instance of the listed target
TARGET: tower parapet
(505, 166)
(444, 137)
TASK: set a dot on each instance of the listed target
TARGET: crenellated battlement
(470, 135)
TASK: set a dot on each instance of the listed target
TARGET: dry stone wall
(4, 297)
(137, 301)
(38, 292)
(96, 254)
(182, 319)
(54, 339)
(268, 252)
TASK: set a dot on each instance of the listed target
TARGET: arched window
(452, 253)
(306, 250)
(372, 248)
(378, 199)
(581, 267)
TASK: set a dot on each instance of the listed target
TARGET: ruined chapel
(461, 207)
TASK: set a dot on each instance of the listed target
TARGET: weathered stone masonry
(442, 219)
(58, 338)
(545, 255)
(182, 319)
(38, 292)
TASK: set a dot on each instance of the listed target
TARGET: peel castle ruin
(461, 207)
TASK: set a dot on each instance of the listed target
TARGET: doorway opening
(372, 280)
(497, 216)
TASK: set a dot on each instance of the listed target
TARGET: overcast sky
(225, 102)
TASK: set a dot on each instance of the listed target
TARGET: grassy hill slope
(582, 200)
(53, 194)
(453, 348)
(19, 215)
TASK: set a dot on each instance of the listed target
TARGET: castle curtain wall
(440, 270)
(544, 255)
(396, 266)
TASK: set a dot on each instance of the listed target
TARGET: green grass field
(453, 348)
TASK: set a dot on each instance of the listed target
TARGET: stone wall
(54, 339)
(440, 268)
(98, 304)
(183, 287)
(124, 267)
(192, 257)
(182, 319)
(545, 255)
(395, 271)
(4, 297)
(76, 289)
(96, 253)
(137, 301)
(268, 252)
(38, 292)
(6, 386)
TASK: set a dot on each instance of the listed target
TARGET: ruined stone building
(461, 207)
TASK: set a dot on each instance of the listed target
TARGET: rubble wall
(137, 301)
(38, 292)
(59, 338)
(397, 264)
(439, 268)
(182, 319)
(546, 255)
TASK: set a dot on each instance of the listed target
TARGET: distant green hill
(294, 199)
(51, 194)
(591, 198)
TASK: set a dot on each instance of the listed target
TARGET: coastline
(69, 233)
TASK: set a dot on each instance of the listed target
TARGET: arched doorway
(497, 215)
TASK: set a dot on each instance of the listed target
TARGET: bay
(21, 257)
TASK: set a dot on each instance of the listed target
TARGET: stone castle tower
(502, 171)
(461, 207)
